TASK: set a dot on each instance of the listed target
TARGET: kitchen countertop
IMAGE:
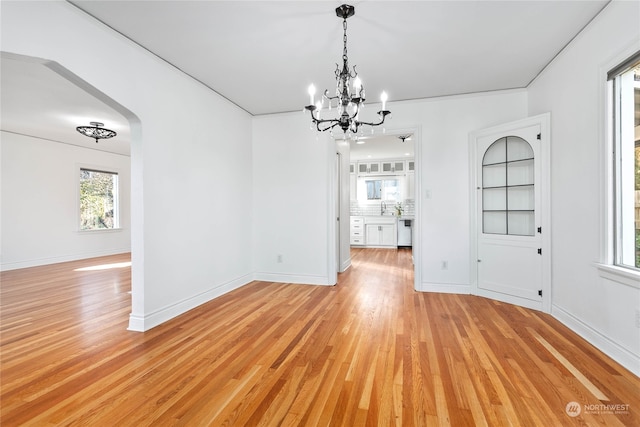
(387, 216)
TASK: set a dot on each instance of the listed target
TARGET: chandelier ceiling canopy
(95, 131)
(350, 94)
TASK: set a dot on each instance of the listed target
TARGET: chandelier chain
(344, 39)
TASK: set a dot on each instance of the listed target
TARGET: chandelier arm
(383, 114)
(354, 74)
(328, 127)
(318, 122)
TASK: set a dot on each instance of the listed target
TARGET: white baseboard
(445, 288)
(509, 299)
(293, 278)
(36, 262)
(144, 323)
(345, 265)
(612, 349)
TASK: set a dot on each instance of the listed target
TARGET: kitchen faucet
(383, 207)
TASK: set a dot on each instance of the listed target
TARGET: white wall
(191, 189)
(572, 89)
(40, 206)
(293, 173)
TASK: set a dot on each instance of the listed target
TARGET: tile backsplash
(364, 208)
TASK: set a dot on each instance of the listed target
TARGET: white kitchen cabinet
(381, 231)
(380, 235)
(393, 166)
(357, 232)
(369, 168)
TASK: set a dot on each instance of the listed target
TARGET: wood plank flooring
(369, 351)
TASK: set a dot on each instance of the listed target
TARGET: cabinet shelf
(508, 186)
(508, 210)
(508, 161)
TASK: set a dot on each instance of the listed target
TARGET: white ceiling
(262, 55)
(382, 147)
(38, 100)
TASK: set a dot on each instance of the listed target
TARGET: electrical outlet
(445, 265)
(279, 258)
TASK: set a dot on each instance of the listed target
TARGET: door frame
(544, 121)
(416, 130)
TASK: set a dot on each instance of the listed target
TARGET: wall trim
(155, 318)
(345, 265)
(626, 358)
(299, 279)
(36, 262)
(445, 288)
(509, 299)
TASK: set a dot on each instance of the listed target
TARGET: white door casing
(510, 213)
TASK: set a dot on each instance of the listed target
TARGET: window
(383, 189)
(625, 85)
(98, 200)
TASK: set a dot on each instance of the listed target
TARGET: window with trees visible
(625, 84)
(98, 200)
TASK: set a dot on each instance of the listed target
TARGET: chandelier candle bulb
(312, 93)
(383, 98)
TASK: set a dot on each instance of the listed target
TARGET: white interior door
(509, 232)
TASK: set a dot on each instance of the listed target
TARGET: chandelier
(95, 131)
(349, 97)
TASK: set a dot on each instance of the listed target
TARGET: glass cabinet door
(508, 198)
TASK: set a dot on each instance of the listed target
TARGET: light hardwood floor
(368, 351)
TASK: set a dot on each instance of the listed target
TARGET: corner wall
(571, 88)
(191, 189)
(293, 167)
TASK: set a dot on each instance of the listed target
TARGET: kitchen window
(624, 82)
(99, 200)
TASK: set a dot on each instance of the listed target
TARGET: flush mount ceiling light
(349, 97)
(95, 131)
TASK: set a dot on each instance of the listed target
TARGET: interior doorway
(383, 186)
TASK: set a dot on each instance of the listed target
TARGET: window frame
(609, 266)
(116, 208)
